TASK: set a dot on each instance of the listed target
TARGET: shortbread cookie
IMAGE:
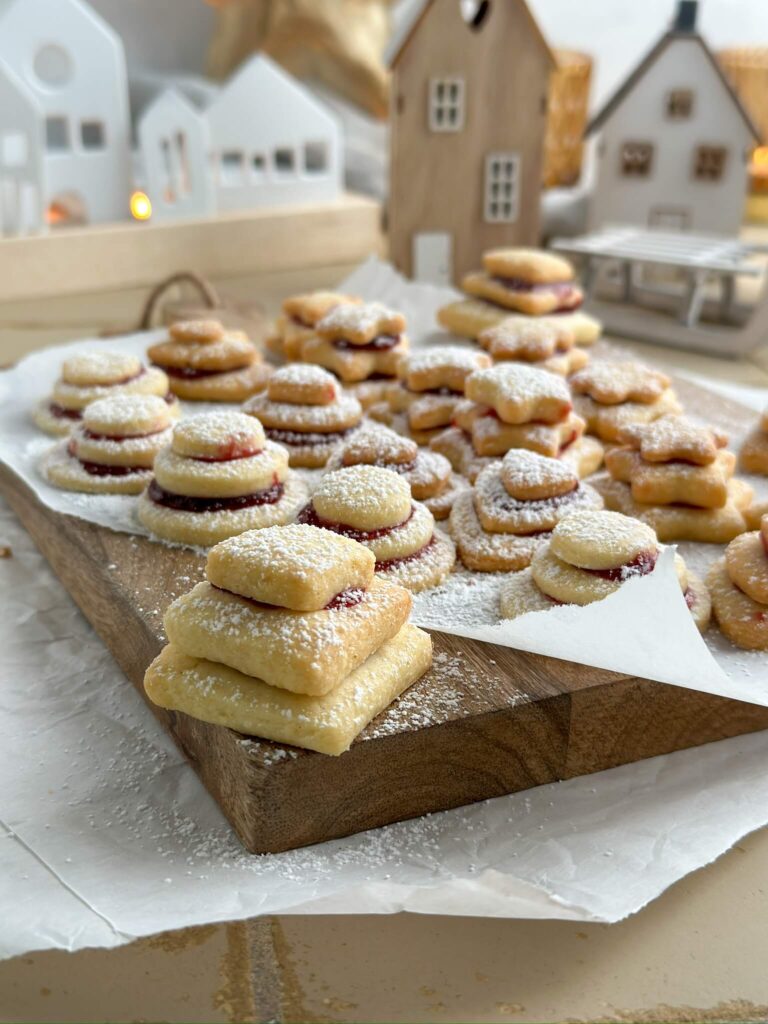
(328, 724)
(754, 514)
(682, 522)
(739, 586)
(368, 392)
(205, 362)
(427, 473)
(356, 363)
(112, 449)
(528, 280)
(613, 383)
(218, 478)
(588, 557)
(753, 457)
(491, 436)
(90, 376)
(520, 394)
(304, 409)
(499, 526)
(362, 325)
(373, 505)
(467, 318)
(442, 368)
(674, 439)
(674, 482)
(300, 316)
(542, 343)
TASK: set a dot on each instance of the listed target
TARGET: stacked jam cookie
(374, 506)
(588, 556)
(512, 405)
(677, 478)
(291, 638)
(304, 409)
(427, 473)
(516, 502)
(431, 383)
(89, 376)
(739, 585)
(528, 282)
(113, 446)
(218, 477)
(544, 343)
(610, 396)
(206, 363)
(299, 318)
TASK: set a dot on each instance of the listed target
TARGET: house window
(182, 152)
(315, 158)
(446, 104)
(92, 134)
(258, 165)
(285, 160)
(679, 104)
(709, 163)
(231, 167)
(53, 65)
(14, 150)
(636, 159)
(56, 133)
(502, 188)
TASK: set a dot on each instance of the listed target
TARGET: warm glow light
(141, 207)
(760, 156)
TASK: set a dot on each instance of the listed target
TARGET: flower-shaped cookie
(358, 341)
(112, 448)
(739, 586)
(428, 473)
(529, 281)
(753, 457)
(88, 376)
(611, 396)
(678, 478)
(304, 409)
(541, 342)
(290, 638)
(588, 556)
(207, 363)
(219, 477)
(299, 317)
(373, 505)
(515, 503)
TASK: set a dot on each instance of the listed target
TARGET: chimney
(685, 19)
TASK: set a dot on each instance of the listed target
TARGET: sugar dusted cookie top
(528, 476)
(95, 369)
(303, 384)
(520, 393)
(672, 439)
(527, 340)
(613, 383)
(311, 307)
(215, 436)
(378, 446)
(363, 497)
(599, 540)
(298, 567)
(441, 366)
(197, 332)
(127, 416)
(361, 323)
(533, 265)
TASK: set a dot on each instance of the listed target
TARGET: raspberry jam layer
(569, 297)
(91, 435)
(640, 565)
(296, 438)
(391, 563)
(64, 414)
(189, 373)
(230, 452)
(443, 392)
(380, 344)
(344, 599)
(102, 469)
(309, 517)
(184, 503)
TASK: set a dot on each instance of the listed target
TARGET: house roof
(645, 65)
(416, 14)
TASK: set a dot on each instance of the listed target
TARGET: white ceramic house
(174, 140)
(673, 143)
(272, 143)
(22, 167)
(73, 64)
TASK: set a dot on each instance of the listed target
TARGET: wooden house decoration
(22, 167)
(174, 141)
(74, 66)
(673, 143)
(468, 121)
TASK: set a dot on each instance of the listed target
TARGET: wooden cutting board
(485, 721)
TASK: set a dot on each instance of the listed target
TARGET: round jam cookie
(364, 498)
(500, 512)
(197, 332)
(218, 436)
(61, 467)
(740, 618)
(225, 386)
(423, 568)
(128, 415)
(602, 540)
(746, 560)
(520, 393)
(303, 384)
(341, 414)
(569, 584)
(230, 352)
(100, 369)
(484, 551)
(378, 446)
(526, 475)
(232, 477)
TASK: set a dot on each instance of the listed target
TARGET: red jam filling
(189, 373)
(64, 414)
(169, 398)
(640, 565)
(296, 437)
(764, 542)
(390, 563)
(309, 517)
(102, 469)
(690, 598)
(574, 437)
(230, 452)
(301, 323)
(344, 599)
(443, 392)
(184, 503)
(380, 344)
(569, 296)
(93, 436)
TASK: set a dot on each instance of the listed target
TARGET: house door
(671, 218)
(433, 257)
